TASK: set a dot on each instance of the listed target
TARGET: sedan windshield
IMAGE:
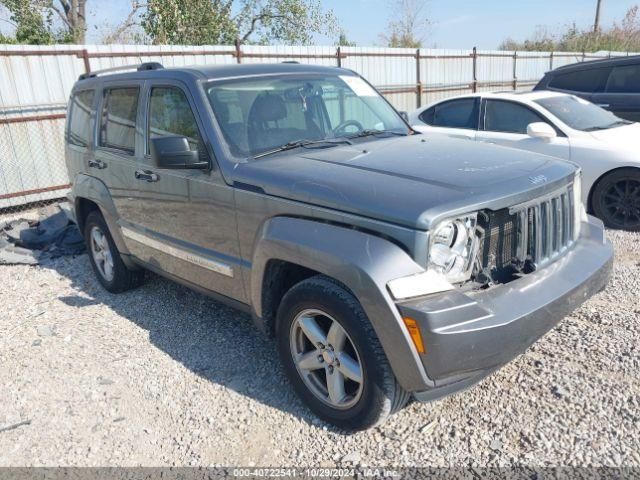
(265, 115)
(580, 114)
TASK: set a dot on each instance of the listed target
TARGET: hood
(411, 181)
(620, 138)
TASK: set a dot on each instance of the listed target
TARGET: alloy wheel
(101, 253)
(326, 359)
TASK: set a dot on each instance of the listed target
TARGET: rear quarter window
(584, 81)
(81, 118)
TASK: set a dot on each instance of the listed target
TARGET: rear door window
(81, 118)
(118, 118)
(625, 79)
(508, 117)
(461, 113)
(584, 81)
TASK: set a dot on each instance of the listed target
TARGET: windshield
(580, 114)
(257, 115)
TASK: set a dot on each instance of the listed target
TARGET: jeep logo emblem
(538, 179)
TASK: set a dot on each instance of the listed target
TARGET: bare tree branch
(261, 18)
(62, 15)
(129, 22)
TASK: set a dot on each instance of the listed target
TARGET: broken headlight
(453, 246)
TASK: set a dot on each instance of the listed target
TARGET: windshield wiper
(606, 127)
(301, 144)
(369, 133)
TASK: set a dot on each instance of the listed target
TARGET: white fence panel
(35, 83)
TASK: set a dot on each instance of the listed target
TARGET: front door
(454, 118)
(184, 220)
(505, 123)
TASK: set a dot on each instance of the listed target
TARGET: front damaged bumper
(469, 335)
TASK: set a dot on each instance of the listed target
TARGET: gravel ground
(164, 376)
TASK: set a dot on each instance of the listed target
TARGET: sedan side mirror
(174, 152)
(541, 130)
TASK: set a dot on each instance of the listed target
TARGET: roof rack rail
(295, 62)
(139, 67)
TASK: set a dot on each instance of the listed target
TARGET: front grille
(527, 236)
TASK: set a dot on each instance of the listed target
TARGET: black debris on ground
(30, 242)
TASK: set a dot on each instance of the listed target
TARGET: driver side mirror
(541, 130)
(173, 152)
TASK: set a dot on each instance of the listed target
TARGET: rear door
(504, 122)
(118, 145)
(622, 92)
(454, 118)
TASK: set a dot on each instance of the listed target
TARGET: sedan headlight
(453, 246)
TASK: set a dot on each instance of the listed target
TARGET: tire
(366, 403)
(108, 266)
(616, 199)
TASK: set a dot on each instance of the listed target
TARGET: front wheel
(616, 199)
(333, 357)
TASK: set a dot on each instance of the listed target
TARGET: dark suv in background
(613, 84)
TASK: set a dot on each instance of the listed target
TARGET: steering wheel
(339, 131)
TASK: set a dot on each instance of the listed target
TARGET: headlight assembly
(453, 246)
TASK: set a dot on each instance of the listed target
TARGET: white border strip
(187, 256)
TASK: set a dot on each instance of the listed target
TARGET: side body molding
(362, 262)
(91, 188)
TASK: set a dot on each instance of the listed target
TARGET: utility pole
(596, 24)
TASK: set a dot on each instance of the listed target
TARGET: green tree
(189, 22)
(32, 23)
(200, 22)
(343, 41)
(34, 20)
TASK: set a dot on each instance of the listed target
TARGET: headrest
(267, 108)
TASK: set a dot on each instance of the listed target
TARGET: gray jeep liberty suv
(386, 263)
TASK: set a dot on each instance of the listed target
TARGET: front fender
(362, 262)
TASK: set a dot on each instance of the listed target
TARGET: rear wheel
(333, 357)
(105, 259)
(616, 199)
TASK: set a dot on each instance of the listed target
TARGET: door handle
(603, 105)
(99, 164)
(146, 175)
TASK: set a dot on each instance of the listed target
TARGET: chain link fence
(35, 83)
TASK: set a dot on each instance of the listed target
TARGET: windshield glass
(580, 114)
(260, 114)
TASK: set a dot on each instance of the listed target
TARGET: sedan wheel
(326, 359)
(616, 199)
(622, 203)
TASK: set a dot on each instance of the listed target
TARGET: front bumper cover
(469, 335)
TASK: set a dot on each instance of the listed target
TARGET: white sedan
(606, 147)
